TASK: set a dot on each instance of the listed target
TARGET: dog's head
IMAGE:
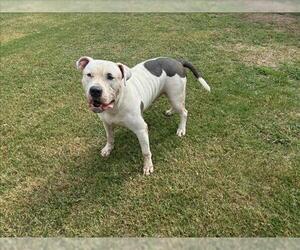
(102, 81)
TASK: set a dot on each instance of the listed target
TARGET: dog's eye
(89, 75)
(109, 76)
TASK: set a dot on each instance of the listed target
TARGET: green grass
(236, 173)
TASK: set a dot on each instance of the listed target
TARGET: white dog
(120, 95)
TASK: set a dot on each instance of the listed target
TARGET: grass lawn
(237, 171)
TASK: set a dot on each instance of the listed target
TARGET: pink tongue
(107, 106)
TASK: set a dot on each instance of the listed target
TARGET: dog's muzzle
(95, 103)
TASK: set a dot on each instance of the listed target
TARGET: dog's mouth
(97, 106)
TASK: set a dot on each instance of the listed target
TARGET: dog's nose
(95, 91)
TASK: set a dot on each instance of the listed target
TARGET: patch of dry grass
(280, 22)
(271, 55)
(17, 26)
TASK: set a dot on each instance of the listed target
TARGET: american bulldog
(120, 95)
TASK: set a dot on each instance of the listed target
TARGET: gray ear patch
(169, 65)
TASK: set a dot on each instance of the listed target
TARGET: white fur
(204, 83)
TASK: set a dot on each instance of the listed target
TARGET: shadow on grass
(86, 188)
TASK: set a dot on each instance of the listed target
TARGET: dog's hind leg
(175, 92)
(183, 113)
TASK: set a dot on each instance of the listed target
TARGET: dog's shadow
(162, 137)
(126, 158)
(86, 183)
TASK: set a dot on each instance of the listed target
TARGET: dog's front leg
(143, 138)
(140, 128)
(110, 140)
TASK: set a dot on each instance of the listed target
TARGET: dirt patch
(281, 22)
(270, 56)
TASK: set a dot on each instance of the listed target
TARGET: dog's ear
(82, 62)
(126, 72)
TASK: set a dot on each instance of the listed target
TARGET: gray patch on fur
(142, 107)
(169, 65)
(190, 66)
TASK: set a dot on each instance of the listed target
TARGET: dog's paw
(106, 150)
(148, 169)
(180, 132)
(169, 112)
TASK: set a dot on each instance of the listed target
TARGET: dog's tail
(196, 73)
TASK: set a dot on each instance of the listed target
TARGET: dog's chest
(112, 118)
